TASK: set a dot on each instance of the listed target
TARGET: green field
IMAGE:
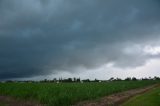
(151, 98)
(65, 94)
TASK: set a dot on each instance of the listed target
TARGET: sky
(79, 38)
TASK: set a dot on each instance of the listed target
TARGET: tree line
(70, 80)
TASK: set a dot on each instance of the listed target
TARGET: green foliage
(65, 94)
(151, 98)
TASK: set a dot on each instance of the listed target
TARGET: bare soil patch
(116, 99)
(9, 101)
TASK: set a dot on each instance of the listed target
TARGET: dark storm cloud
(40, 37)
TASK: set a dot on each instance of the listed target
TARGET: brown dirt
(9, 101)
(116, 99)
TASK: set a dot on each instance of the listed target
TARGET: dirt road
(9, 101)
(116, 99)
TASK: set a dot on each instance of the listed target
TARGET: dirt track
(116, 99)
(8, 101)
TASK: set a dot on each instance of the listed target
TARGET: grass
(151, 98)
(65, 94)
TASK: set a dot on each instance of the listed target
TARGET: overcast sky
(79, 38)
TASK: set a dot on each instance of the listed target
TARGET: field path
(118, 98)
(9, 101)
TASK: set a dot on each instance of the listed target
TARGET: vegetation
(151, 98)
(65, 94)
(3, 104)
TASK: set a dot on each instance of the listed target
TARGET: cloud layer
(43, 37)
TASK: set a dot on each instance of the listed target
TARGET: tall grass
(65, 94)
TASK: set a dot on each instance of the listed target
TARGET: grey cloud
(44, 36)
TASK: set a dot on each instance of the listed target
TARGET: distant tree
(118, 79)
(111, 79)
(60, 79)
(86, 80)
(45, 80)
(9, 81)
(74, 79)
(134, 79)
(54, 80)
(156, 78)
(78, 80)
(128, 79)
(69, 79)
(145, 78)
(96, 80)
